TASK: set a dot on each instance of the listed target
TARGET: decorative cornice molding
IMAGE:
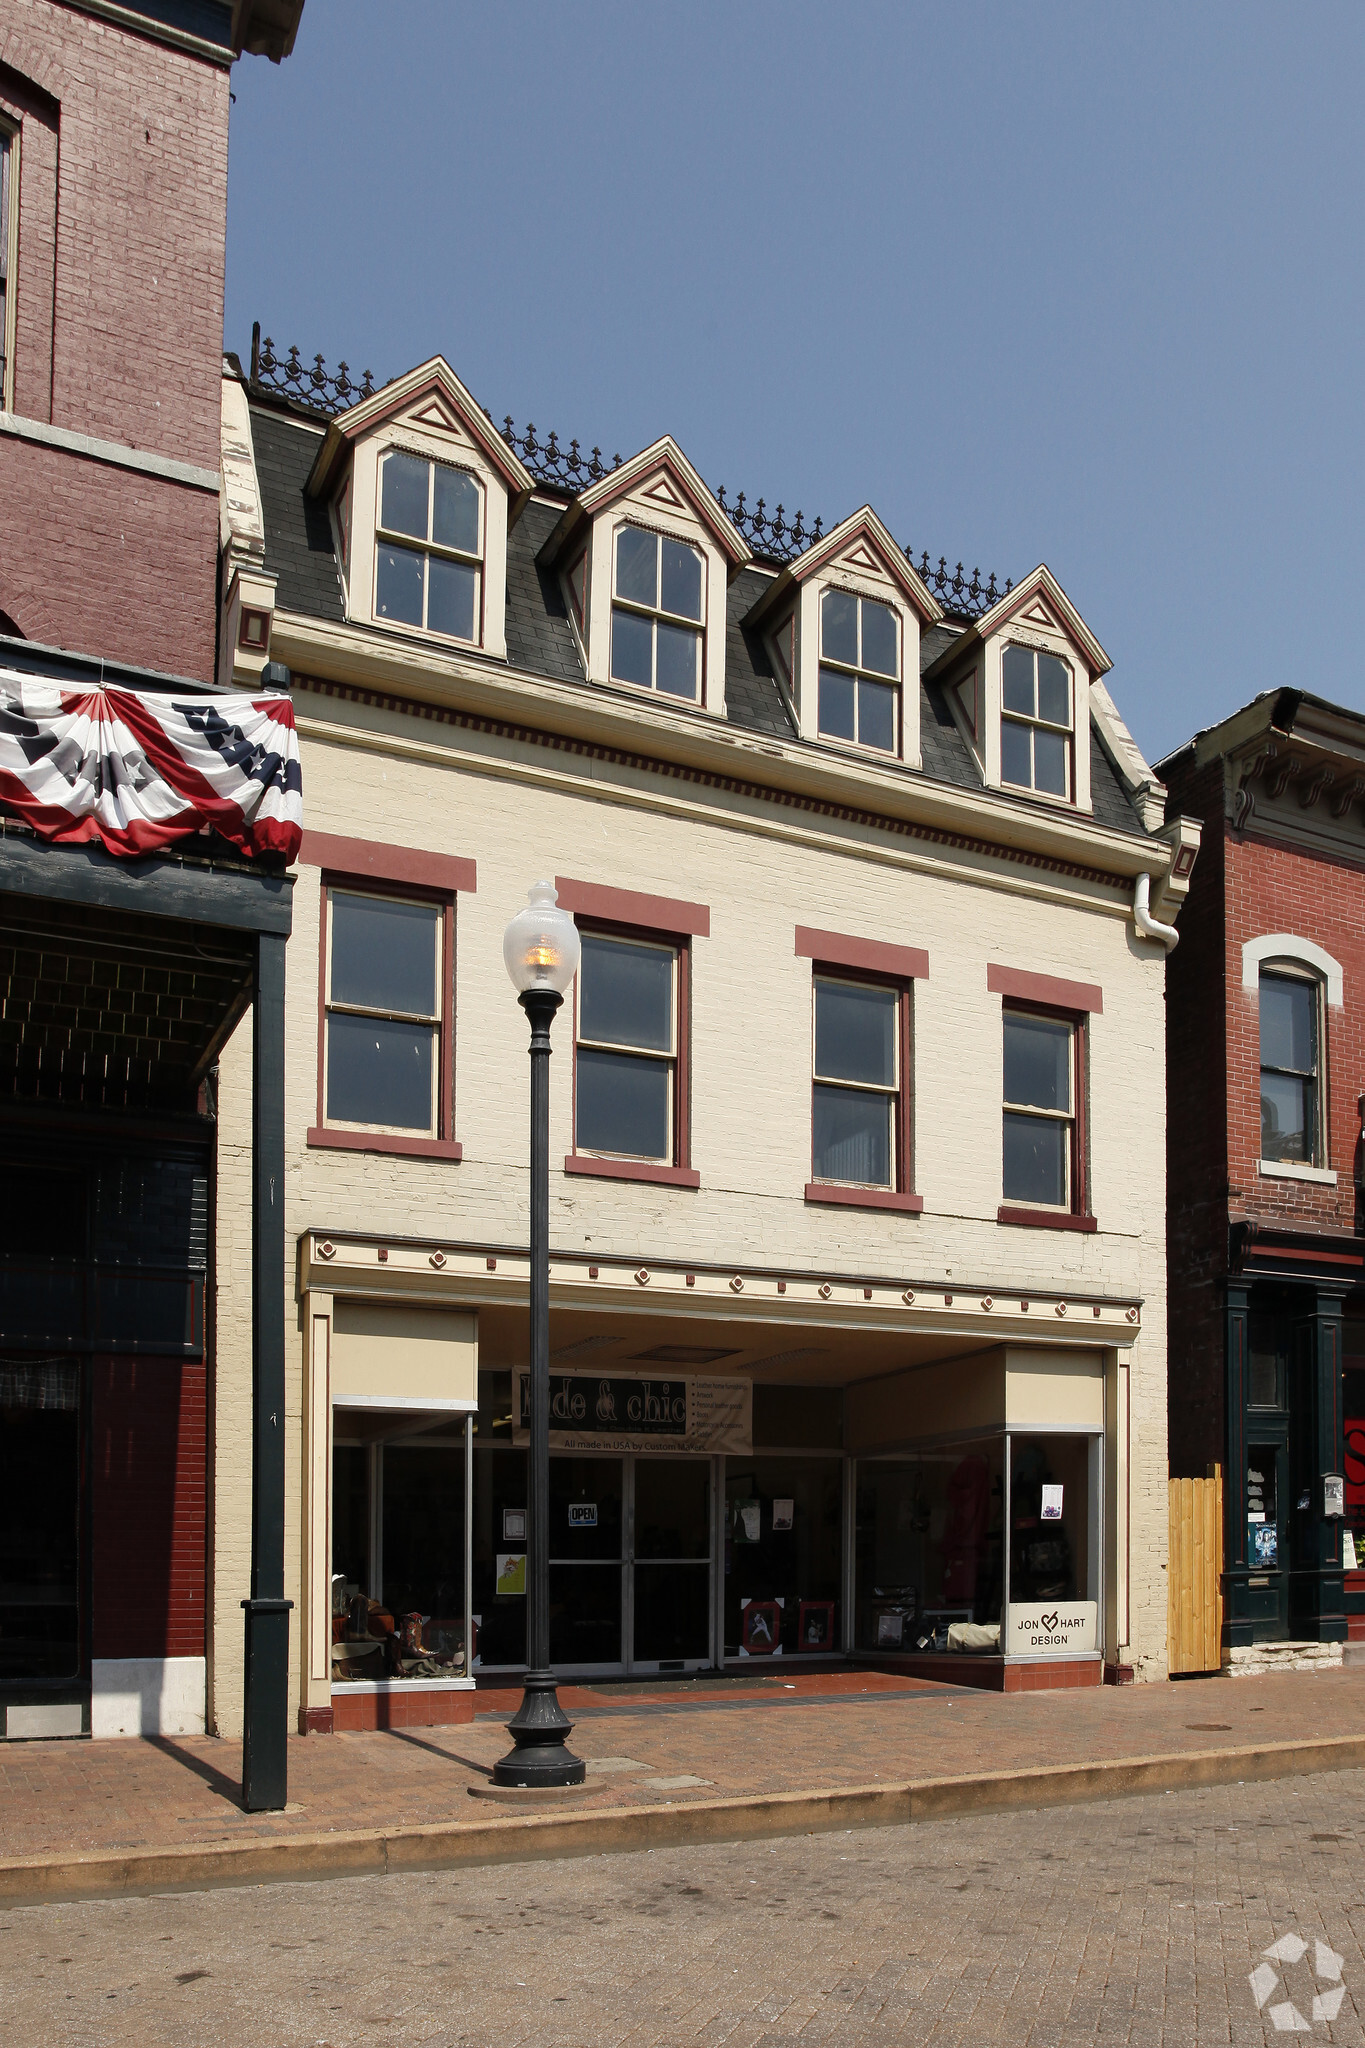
(957, 842)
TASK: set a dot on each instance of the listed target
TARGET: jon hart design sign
(1052, 1628)
(590, 1413)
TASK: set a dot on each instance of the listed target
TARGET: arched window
(1291, 1065)
(1297, 984)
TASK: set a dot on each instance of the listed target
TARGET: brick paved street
(1131, 1921)
(851, 1728)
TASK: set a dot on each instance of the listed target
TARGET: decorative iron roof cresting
(772, 536)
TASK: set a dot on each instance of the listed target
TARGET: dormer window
(1036, 721)
(656, 613)
(434, 585)
(859, 671)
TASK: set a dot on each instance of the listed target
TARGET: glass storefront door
(586, 1555)
(670, 1569)
(631, 1562)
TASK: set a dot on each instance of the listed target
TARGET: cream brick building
(865, 1361)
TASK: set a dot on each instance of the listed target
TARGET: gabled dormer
(1019, 684)
(645, 557)
(422, 489)
(843, 624)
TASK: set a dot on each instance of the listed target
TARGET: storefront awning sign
(140, 772)
(592, 1413)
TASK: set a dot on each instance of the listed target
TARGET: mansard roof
(299, 550)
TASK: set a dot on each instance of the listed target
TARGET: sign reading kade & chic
(1051, 1628)
(592, 1413)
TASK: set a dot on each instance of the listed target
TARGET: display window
(1054, 1553)
(398, 1561)
(499, 1554)
(783, 1519)
(929, 1550)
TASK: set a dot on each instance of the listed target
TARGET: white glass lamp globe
(540, 945)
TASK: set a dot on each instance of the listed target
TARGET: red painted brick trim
(320, 1139)
(632, 1169)
(368, 860)
(1043, 1219)
(315, 1720)
(863, 1198)
(1044, 988)
(873, 956)
(367, 1710)
(629, 906)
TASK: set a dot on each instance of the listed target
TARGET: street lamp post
(540, 947)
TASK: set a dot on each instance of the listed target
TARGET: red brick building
(1265, 1021)
(119, 978)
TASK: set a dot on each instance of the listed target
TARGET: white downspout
(1147, 925)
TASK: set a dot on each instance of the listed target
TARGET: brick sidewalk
(825, 1732)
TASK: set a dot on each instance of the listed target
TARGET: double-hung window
(855, 1110)
(626, 1081)
(429, 546)
(1036, 722)
(1291, 1093)
(8, 206)
(385, 1063)
(859, 671)
(656, 613)
(1043, 1160)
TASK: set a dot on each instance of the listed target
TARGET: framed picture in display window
(761, 1628)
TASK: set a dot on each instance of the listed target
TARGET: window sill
(321, 1139)
(1044, 1219)
(1290, 1169)
(863, 1198)
(632, 1169)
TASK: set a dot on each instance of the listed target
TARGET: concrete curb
(454, 1845)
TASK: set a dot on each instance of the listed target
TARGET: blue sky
(1065, 283)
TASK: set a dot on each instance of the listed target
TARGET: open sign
(582, 1514)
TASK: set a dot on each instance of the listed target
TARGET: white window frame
(436, 1021)
(1282, 968)
(644, 1052)
(858, 674)
(891, 1094)
(656, 612)
(1036, 724)
(1068, 1117)
(386, 536)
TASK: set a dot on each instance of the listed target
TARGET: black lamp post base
(540, 1758)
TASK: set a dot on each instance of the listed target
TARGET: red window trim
(653, 916)
(871, 956)
(1078, 1216)
(902, 1196)
(1044, 1219)
(680, 1172)
(842, 1196)
(631, 1169)
(1046, 990)
(369, 860)
(321, 1137)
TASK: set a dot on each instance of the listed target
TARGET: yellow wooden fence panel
(1194, 1574)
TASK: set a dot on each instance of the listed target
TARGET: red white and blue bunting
(139, 772)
